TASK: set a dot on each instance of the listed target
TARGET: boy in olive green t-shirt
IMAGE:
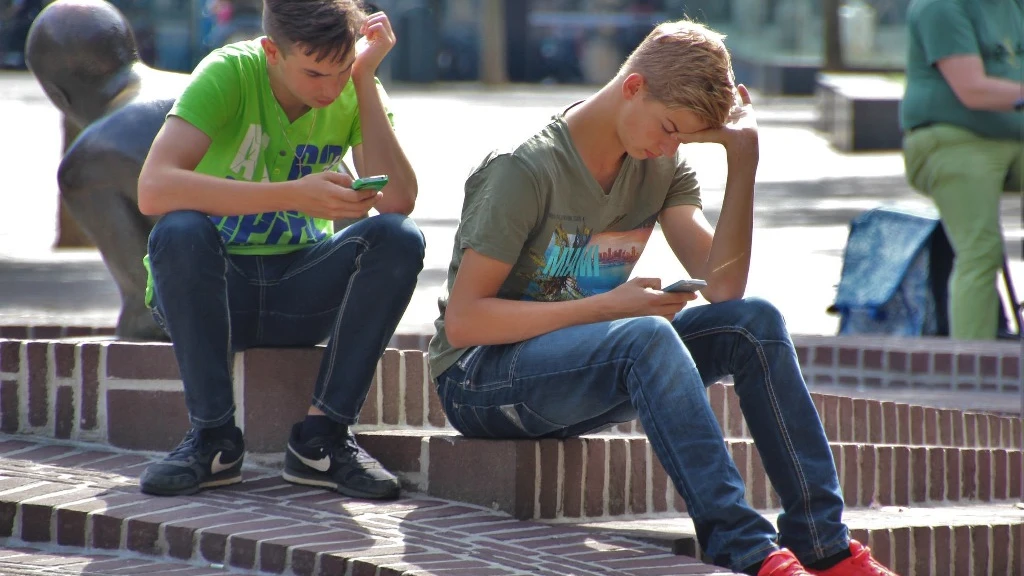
(542, 334)
(245, 176)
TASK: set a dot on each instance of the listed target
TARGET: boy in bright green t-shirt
(246, 177)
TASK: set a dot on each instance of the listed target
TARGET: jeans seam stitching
(357, 239)
(261, 305)
(741, 562)
(688, 497)
(227, 413)
(335, 334)
(227, 313)
(318, 403)
(490, 387)
(802, 481)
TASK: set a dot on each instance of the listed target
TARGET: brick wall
(129, 395)
(933, 363)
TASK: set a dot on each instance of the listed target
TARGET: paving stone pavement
(26, 561)
(807, 193)
(86, 496)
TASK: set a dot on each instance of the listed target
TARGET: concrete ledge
(860, 112)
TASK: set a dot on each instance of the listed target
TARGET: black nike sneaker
(338, 463)
(200, 461)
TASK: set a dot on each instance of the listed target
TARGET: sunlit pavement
(807, 193)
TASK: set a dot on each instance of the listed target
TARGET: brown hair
(325, 28)
(686, 65)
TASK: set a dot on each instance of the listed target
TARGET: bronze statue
(84, 55)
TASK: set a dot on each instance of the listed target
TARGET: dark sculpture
(84, 55)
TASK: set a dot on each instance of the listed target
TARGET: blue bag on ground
(896, 267)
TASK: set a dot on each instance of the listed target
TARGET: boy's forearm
(171, 189)
(490, 321)
(729, 261)
(382, 153)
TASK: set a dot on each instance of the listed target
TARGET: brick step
(974, 540)
(130, 395)
(856, 362)
(27, 561)
(604, 476)
(86, 498)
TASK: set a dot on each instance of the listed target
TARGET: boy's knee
(180, 226)
(759, 317)
(402, 237)
(645, 334)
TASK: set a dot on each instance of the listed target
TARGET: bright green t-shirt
(539, 209)
(991, 29)
(230, 100)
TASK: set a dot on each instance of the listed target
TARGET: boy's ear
(632, 85)
(271, 49)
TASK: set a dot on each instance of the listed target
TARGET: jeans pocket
(505, 421)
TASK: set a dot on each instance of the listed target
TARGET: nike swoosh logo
(321, 465)
(219, 466)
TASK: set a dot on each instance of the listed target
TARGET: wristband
(1019, 105)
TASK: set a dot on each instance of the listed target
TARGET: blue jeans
(585, 378)
(350, 289)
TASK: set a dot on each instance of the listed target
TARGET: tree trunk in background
(69, 234)
(833, 42)
(493, 59)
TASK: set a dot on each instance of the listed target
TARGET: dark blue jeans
(350, 289)
(585, 378)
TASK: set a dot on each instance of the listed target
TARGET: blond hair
(686, 65)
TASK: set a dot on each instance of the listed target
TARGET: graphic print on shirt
(286, 227)
(581, 264)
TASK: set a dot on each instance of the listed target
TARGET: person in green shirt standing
(245, 176)
(542, 334)
(964, 138)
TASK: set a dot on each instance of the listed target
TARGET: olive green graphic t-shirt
(539, 209)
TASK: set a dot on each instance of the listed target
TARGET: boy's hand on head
(738, 135)
(329, 195)
(378, 39)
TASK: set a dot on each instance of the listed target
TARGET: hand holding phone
(686, 285)
(370, 182)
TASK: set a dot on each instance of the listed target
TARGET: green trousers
(965, 175)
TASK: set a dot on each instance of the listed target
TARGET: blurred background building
(778, 45)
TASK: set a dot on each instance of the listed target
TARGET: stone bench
(860, 112)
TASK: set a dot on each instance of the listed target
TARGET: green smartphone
(374, 182)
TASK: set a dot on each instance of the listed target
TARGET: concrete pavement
(806, 195)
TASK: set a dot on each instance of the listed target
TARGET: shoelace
(190, 441)
(863, 559)
(348, 449)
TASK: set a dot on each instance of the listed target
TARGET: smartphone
(688, 285)
(374, 182)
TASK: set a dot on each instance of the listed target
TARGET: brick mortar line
(402, 388)
(884, 375)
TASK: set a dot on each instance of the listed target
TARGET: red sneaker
(782, 562)
(859, 564)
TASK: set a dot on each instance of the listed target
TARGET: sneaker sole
(295, 478)
(195, 489)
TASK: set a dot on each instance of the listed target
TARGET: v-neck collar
(595, 188)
